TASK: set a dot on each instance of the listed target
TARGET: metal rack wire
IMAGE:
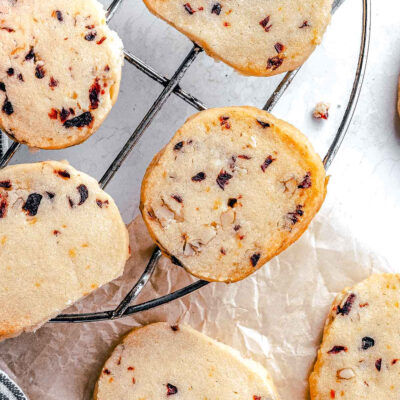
(172, 86)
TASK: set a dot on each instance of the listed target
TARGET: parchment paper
(275, 316)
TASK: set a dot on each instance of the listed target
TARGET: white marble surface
(364, 189)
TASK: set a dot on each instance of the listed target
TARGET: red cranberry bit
(101, 40)
(53, 114)
(216, 9)
(7, 107)
(83, 192)
(244, 157)
(91, 36)
(255, 258)
(264, 23)
(71, 203)
(275, 62)
(101, 203)
(268, 161)
(133, 380)
(224, 122)
(223, 179)
(171, 389)
(64, 114)
(80, 121)
(189, 8)
(3, 205)
(364, 305)
(94, 94)
(177, 198)
(222, 251)
(10, 71)
(175, 328)
(63, 174)
(256, 397)
(32, 204)
(53, 83)
(395, 361)
(232, 203)
(2, 87)
(40, 72)
(20, 77)
(31, 55)
(175, 261)
(367, 342)
(263, 124)
(304, 25)
(106, 371)
(199, 177)
(333, 394)
(9, 30)
(294, 216)
(337, 349)
(306, 183)
(178, 146)
(5, 184)
(279, 47)
(131, 368)
(107, 68)
(59, 16)
(345, 310)
(378, 364)
(56, 233)
(236, 228)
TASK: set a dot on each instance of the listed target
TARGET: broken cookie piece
(60, 71)
(222, 202)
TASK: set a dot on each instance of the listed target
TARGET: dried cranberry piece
(64, 114)
(90, 36)
(9, 30)
(347, 306)
(2, 87)
(279, 47)
(268, 161)
(171, 389)
(32, 204)
(378, 364)
(232, 203)
(256, 397)
(175, 261)
(177, 198)
(7, 107)
(189, 8)
(63, 173)
(101, 203)
(337, 349)
(255, 258)
(178, 146)
(53, 82)
(175, 328)
(216, 9)
(10, 71)
(20, 77)
(31, 55)
(264, 124)
(264, 23)
(3, 205)
(83, 192)
(71, 203)
(304, 25)
(94, 92)
(367, 342)
(106, 371)
(236, 228)
(59, 16)
(274, 62)
(244, 157)
(199, 177)
(222, 251)
(80, 121)
(101, 40)
(306, 183)
(294, 216)
(50, 195)
(40, 72)
(5, 184)
(223, 179)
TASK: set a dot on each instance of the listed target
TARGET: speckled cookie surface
(233, 188)
(359, 356)
(163, 362)
(60, 70)
(256, 37)
(61, 237)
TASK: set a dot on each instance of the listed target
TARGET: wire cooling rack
(171, 86)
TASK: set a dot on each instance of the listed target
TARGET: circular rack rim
(172, 86)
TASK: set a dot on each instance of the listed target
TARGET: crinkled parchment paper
(275, 316)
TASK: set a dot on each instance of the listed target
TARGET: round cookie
(60, 70)
(233, 188)
(61, 237)
(159, 361)
(256, 37)
(359, 356)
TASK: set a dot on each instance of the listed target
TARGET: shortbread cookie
(256, 37)
(61, 237)
(60, 70)
(360, 353)
(158, 361)
(233, 188)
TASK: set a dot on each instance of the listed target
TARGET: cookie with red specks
(61, 237)
(359, 356)
(234, 187)
(60, 71)
(160, 361)
(256, 37)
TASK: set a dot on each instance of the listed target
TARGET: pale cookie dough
(60, 70)
(256, 37)
(160, 361)
(61, 237)
(233, 188)
(359, 356)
